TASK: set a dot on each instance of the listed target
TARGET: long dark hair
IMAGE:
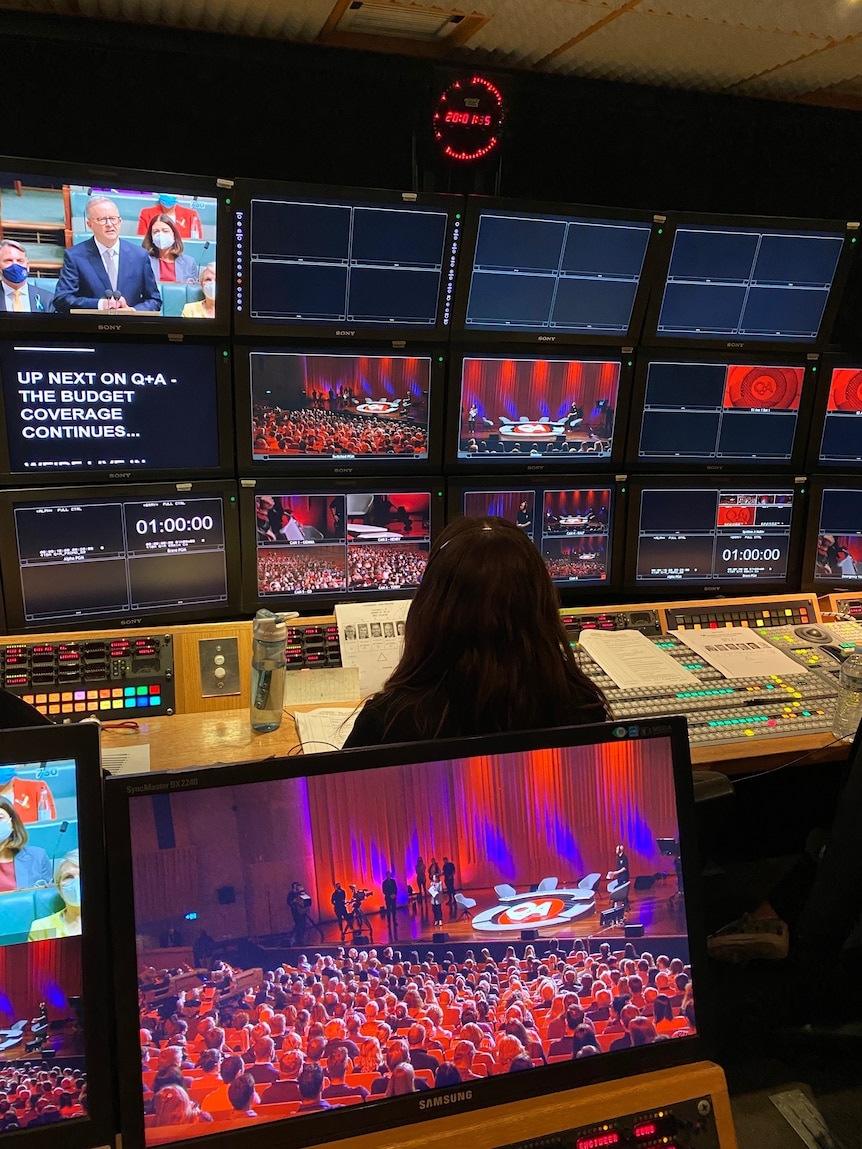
(19, 837)
(484, 648)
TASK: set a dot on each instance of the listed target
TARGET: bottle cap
(269, 626)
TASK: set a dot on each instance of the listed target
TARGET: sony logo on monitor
(343, 470)
(120, 475)
(131, 622)
(735, 344)
(547, 339)
(446, 1099)
(110, 326)
(345, 332)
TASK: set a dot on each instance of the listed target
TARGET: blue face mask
(168, 201)
(7, 773)
(5, 831)
(70, 891)
(15, 273)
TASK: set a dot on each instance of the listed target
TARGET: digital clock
(468, 119)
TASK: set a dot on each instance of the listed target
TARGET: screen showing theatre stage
(332, 542)
(837, 553)
(517, 410)
(77, 408)
(70, 246)
(339, 407)
(570, 527)
(841, 442)
(719, 534)
(719, 412)
(525, 839)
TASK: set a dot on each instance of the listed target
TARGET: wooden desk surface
(209, 739)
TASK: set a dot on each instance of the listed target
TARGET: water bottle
(43, 809)
(848, 707)
(267, 671)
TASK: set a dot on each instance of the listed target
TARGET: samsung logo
(345, 332)
(110, 326)
(446, 1099)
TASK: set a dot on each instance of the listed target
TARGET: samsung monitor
(55, 1013)
(107, 555)
(552, 273)
(536, 413)
(730, 282)
(574, 524)
(344, 263)
(524, 827)
(836, 426)
(720, 412)
(107, 250)
(74, 410)
(338, 411)
(833, 542)
(311, 543)
(714, 535)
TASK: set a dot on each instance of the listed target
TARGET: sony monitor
(836, 427)
(320, 891)
(55, 1014)
(108, 250)
(833, 544)
(91, 556)
(731, 283)
(552, 273)
(532, 413)
(714, 535)
(76, 409)
(719, 412)
(344, 263)
(572, 524)
(309, 543)
(338, 411)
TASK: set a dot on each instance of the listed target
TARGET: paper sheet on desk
(324, 729)
(126, 759)
(630, 659)
(738, 652)
(371, 636)
(327, 684)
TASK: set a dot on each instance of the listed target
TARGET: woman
(64, 923)
(173, 1106)
(205, 308)
(163, 244)
(21, 866)
(484, 648)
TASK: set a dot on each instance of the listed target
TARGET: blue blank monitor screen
(534, 273)
(748, 283)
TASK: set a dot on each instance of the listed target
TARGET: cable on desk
(792, 762)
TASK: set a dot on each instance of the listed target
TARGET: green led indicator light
(233, 498)
(439, 358)
(457, 215)
(439, 494)
(224, 353)
(227, 201)
(853, 240)
(661, 231)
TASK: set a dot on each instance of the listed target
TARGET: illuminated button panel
(112, 678)
(312, 645)
(680, 1126)
(759, 614)
(646, 621)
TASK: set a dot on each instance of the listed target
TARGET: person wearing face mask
(186, 219)
(21, 866)
(205, 308)
(29, 797)
(17, 293)
(164, 245)
(66, 922)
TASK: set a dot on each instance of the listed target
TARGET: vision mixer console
(722, 709)
(822, 645)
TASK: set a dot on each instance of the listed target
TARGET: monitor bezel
(806, 360)
(324, 601)
(360, 465)
(540, 465)
(108, 324)
(9, 568)
(573, 593)
(357, 1119)
(664, 250)
(246, 190)
(224, 418)
(80, 741)
(813, 461)
(819, 483)
(544, 337)
(691, 589)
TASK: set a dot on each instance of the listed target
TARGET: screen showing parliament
(834, 550)
(341, 407)
(77, 246)
(81, 556)
(719, 534)
(520, 411)
(322, 542)
(321, 261)
(572, 528)
(718, 412)
(569, 275)
(840, 443)
(80, 409)
(497, 839)
(762, 283)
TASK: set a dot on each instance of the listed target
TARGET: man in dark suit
(17, 294)
(106, 264)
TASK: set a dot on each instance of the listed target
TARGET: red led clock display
(468, 118)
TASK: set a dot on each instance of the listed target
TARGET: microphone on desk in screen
(64, 826)
(111, 295)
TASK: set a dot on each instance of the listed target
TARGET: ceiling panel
(839, 62)
(832, 19)
(550, 22)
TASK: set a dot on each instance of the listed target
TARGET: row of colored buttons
(705, 693)
(744, 618)
(89, 701)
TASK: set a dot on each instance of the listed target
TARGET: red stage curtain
(41, 971)
(537, 387)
